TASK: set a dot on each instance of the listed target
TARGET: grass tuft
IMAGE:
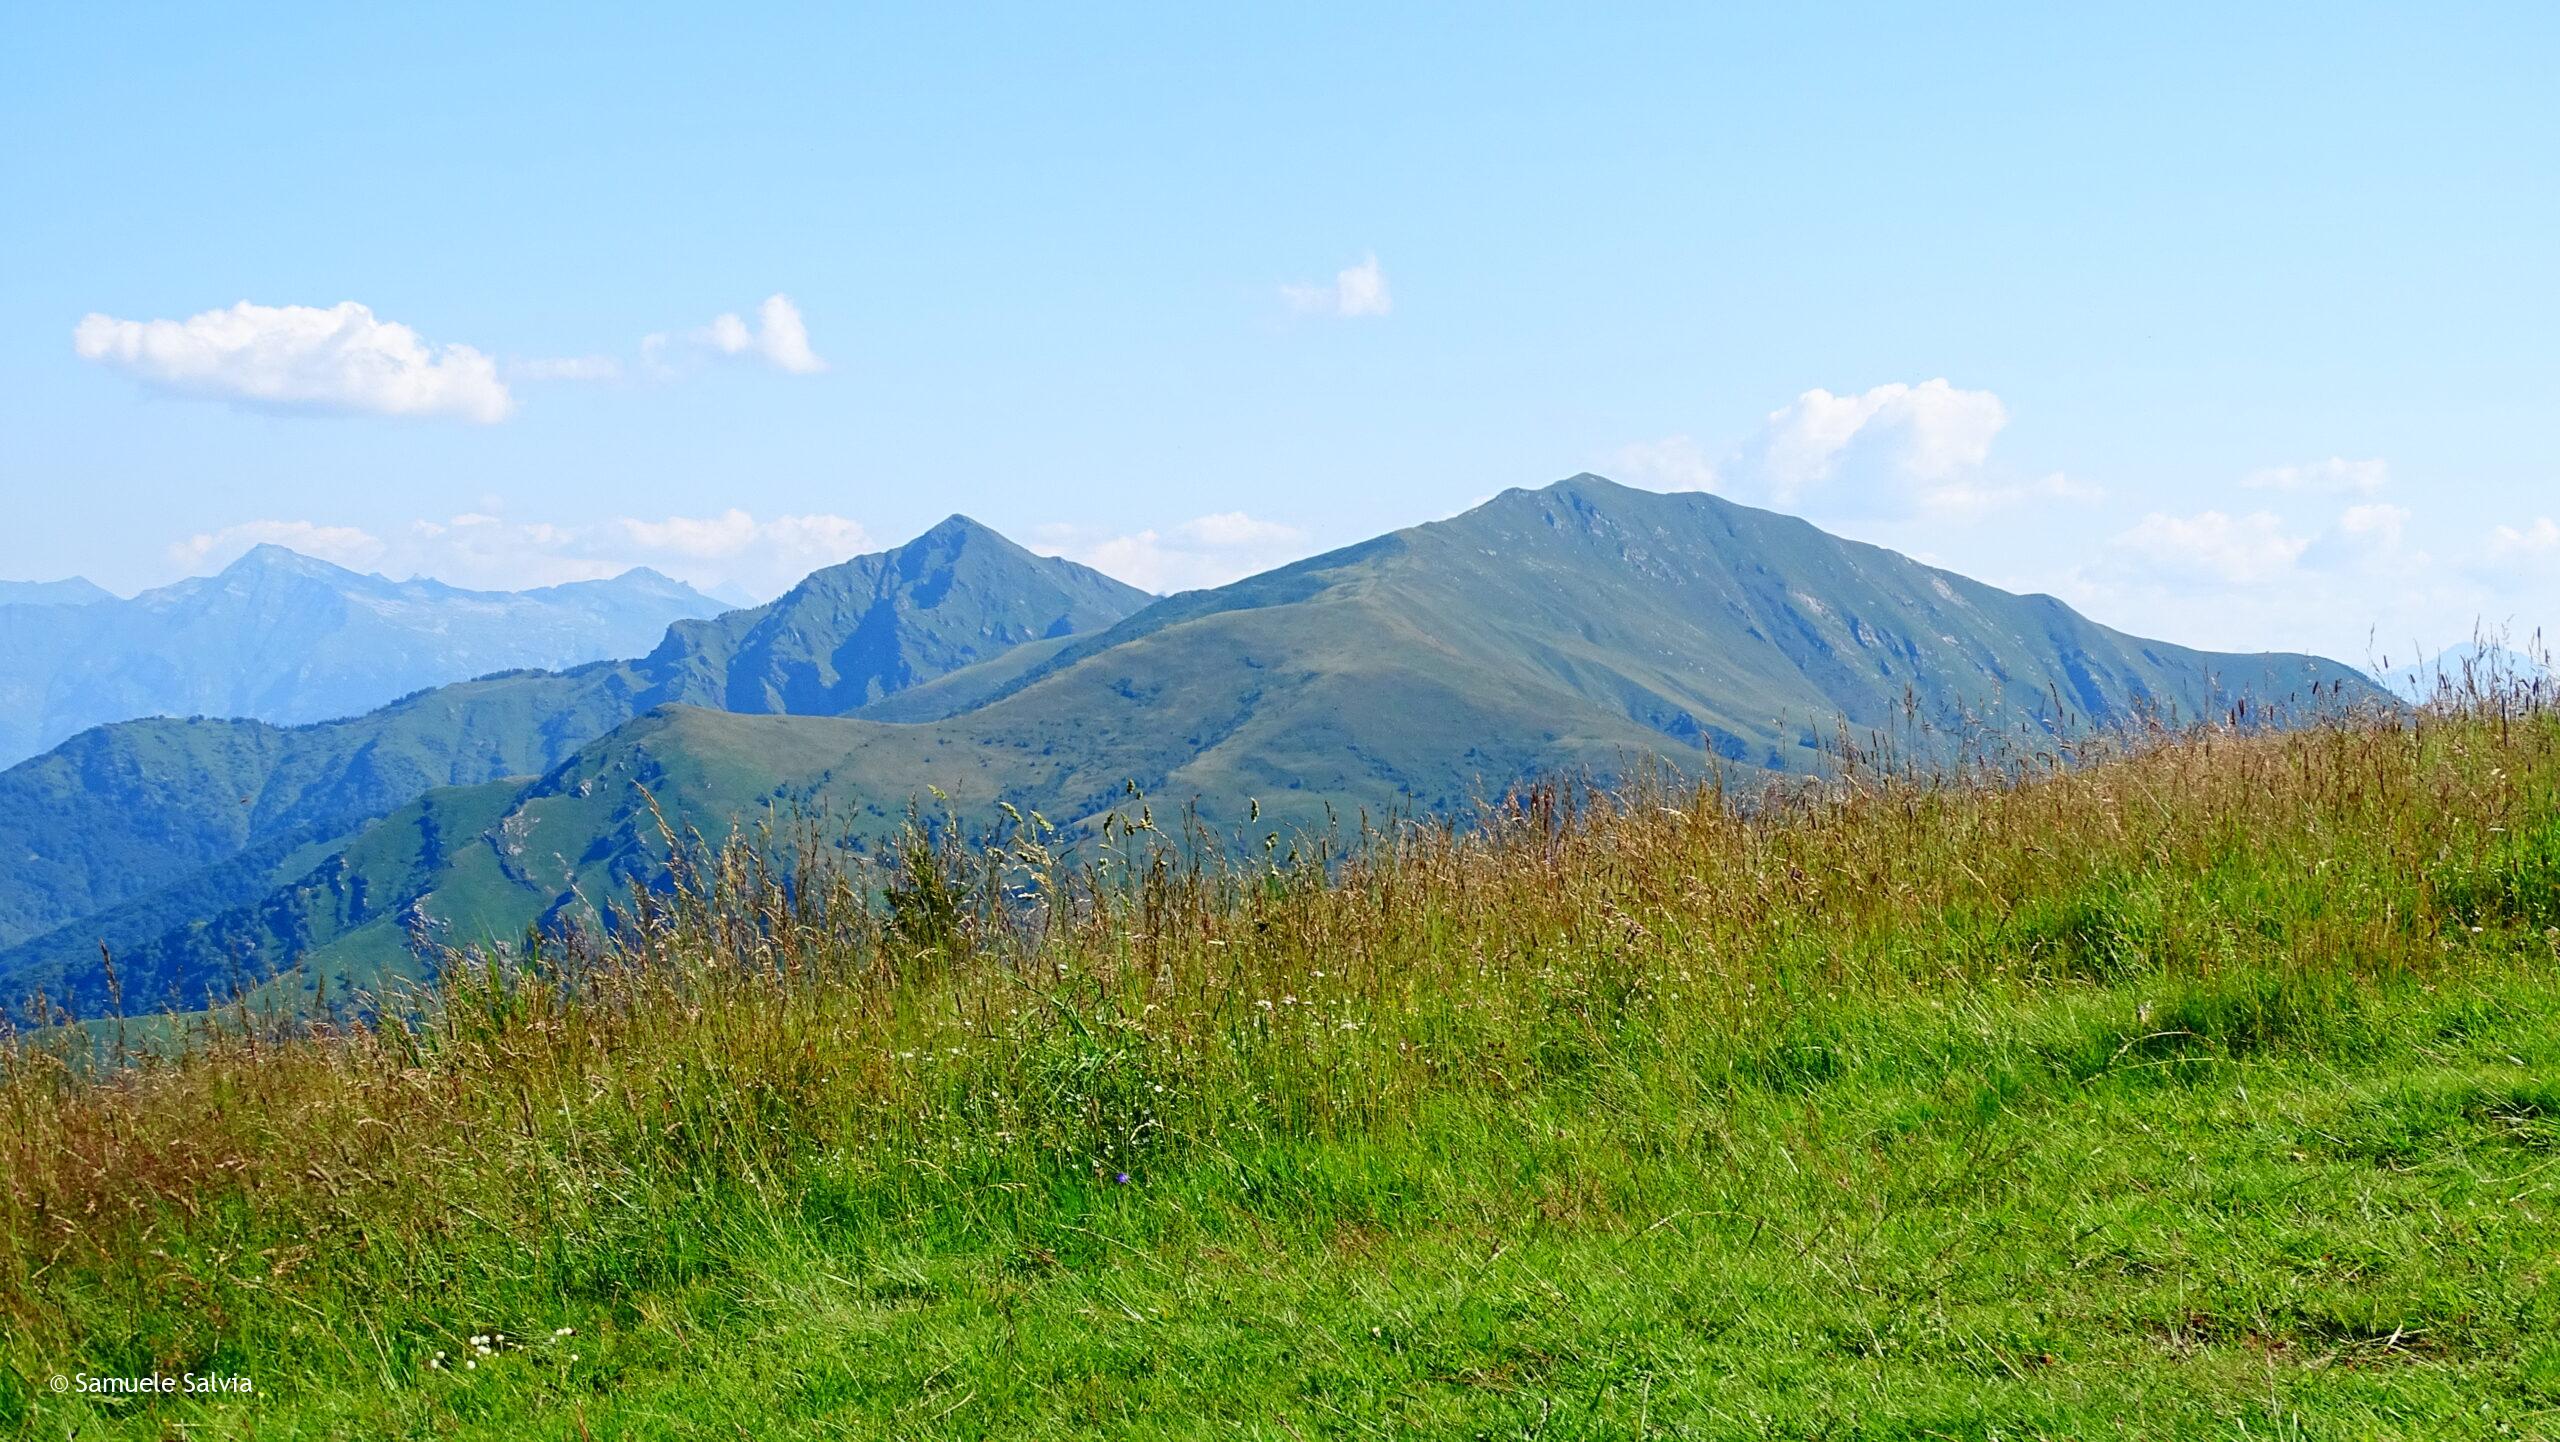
(2199, 1090)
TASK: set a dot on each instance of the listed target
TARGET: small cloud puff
(2537, 541)
(1357, 290)
(780, 337)
(1893, 450)
(1924, 436)
(2246, 550)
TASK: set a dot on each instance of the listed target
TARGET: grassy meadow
(2207, 1090)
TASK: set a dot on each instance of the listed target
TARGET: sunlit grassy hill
(2201, 1091)
(1585, 628)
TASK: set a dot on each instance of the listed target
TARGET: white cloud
(300, 358)
(348, 546)
(2369, 540)
(2257, 581)
(2534, 542)
(1205, 551)
(1673, 463)
(2212, 546)
(1920, 444)
(783, 336)
(2376, 523)
(1234, 531)
(2334, 476)
(780, 337)
(732, 551)
(1355, 291)
(567, 368)
(770, 554)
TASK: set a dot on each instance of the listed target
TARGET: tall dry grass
(1020, 1012)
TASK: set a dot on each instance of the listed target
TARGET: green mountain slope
(121, 812)
(1576, 628)
(124, 827)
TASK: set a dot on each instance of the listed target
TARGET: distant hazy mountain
(1578, 628)
(282, 637)
(2470, 669)
(127, 830)
(77, 591)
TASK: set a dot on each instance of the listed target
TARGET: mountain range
(75, 591)
(284, 638)
(2472, 668)
(1578, 628)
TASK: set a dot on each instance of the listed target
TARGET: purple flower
(1121, 1178)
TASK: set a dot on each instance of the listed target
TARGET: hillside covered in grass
(2206, 1090)
(1581, 628)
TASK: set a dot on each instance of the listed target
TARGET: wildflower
(1120, 1178)
(566, 1332)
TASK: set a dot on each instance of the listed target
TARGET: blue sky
(2233, 329)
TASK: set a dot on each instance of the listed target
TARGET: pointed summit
(958, 527)
(867, 628)
(1589, 483)
(267, 557)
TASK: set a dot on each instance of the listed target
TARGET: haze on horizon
(2240, 343)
